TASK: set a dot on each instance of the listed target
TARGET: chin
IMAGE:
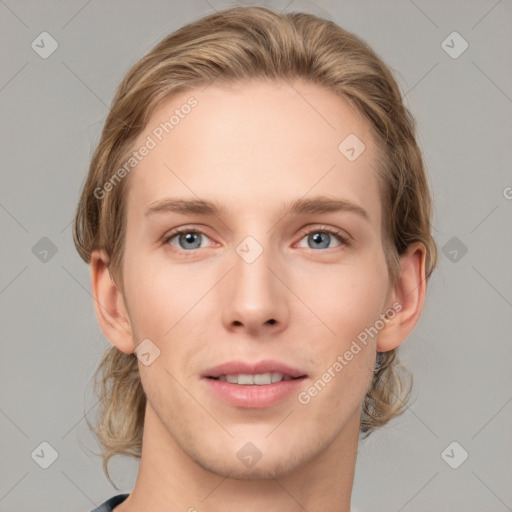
(268, 470)
(258, 459)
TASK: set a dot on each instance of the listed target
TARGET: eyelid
(344, 237)
(183, 229)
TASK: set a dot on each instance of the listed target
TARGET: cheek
(344, 355)
(348, 301)
(158, 293)
(347, 298)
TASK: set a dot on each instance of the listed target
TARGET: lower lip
(254, 396)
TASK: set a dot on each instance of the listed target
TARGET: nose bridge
(255, 296)
(251, 273)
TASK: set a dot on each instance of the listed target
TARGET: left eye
(320, 239)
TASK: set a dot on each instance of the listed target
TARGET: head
(261, 104)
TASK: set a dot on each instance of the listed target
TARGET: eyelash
(317, 229)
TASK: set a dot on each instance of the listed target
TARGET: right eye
(187, 239)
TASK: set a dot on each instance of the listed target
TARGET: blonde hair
(230, 46)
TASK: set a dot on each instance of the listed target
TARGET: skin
(254, 148)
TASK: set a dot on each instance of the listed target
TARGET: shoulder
(109, 505)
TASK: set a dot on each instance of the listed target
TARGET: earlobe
(409, 297)
(109, 304)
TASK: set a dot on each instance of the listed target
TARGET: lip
(253, 396)
(265, 366)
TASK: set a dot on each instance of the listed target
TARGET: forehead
(256, 144)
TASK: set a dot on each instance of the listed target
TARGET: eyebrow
(316, 205)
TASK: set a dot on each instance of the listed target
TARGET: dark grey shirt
(109, 505)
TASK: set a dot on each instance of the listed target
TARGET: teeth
(265, 378)
(260, 379)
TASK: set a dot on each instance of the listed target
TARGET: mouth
(258, 379)
(253, 385)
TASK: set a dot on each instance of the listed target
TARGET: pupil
(317, 238)
(190, 238)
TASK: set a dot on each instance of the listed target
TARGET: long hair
(235, 45)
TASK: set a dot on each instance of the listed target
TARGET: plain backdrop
(52, 112)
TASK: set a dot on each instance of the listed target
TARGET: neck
(170, 481)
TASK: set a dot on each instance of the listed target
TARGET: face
(250, 281)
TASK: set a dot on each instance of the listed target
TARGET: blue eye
(321, 238)
(187, 239)
(318, 238)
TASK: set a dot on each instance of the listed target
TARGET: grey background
(52, 112)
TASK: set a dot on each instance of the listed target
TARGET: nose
(254, 297)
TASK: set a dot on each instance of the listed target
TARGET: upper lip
(239, 367)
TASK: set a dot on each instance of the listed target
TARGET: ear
(109, 304)
(408, 298)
